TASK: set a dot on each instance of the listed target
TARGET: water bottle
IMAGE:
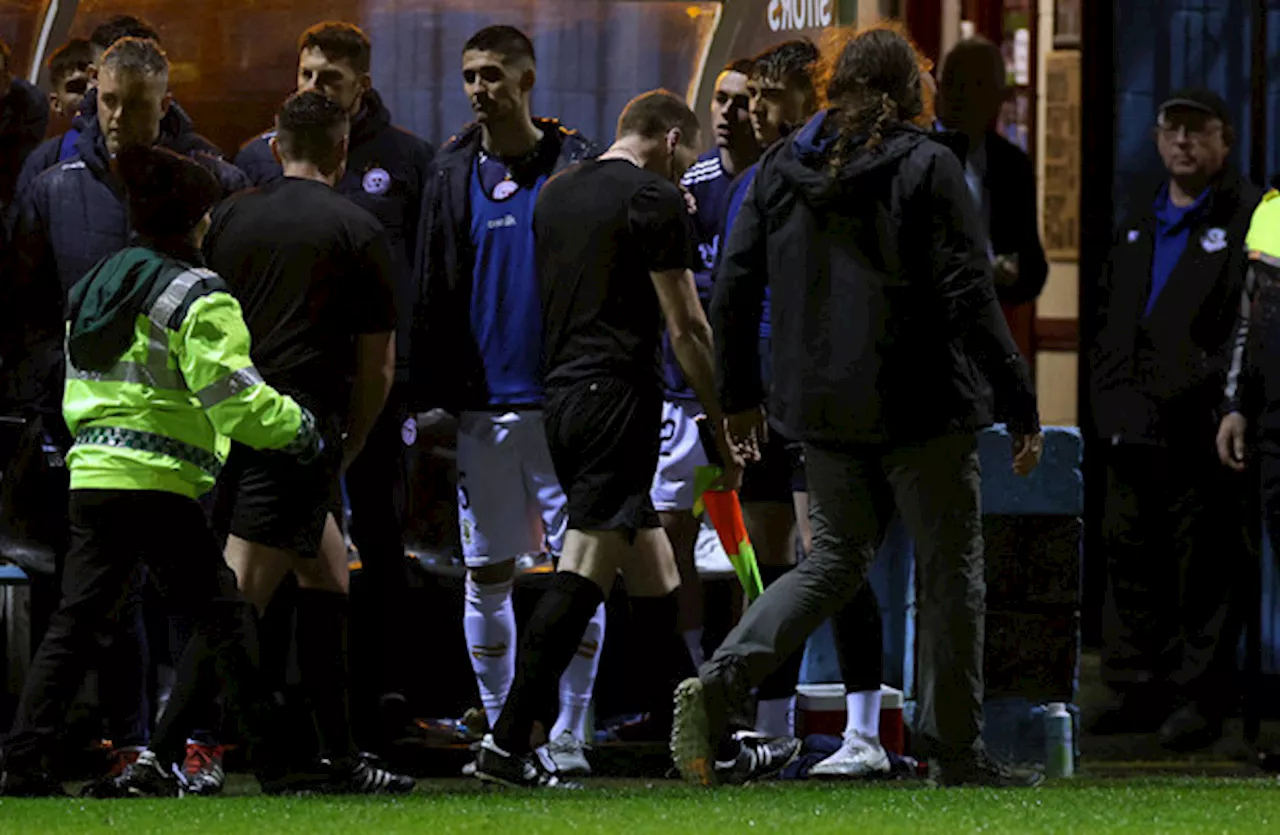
(1059, 760)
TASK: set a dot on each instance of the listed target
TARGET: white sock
(776, 717)
(579, 680)
(864, 714)
(693, 640)
(489, 623)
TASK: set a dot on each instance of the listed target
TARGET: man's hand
(732, 459)
(748, 432)
(1006, 270)
(1231, 441)
(690, 202)
(1027, 450)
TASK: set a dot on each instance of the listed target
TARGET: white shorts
(509, 499)
(679, 457)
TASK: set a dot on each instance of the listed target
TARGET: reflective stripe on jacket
(162, 417)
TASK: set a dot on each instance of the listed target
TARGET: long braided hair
(872, 79)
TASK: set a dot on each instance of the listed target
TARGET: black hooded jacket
(885, 322)
(448, 371)
(387, 171)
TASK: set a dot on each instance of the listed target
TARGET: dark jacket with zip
(885, 322)
(448, 371)
(1158, 378)
(70, 218)
(387, 171)
(52, 151)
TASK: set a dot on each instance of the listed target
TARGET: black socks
(548, 644)
(660, 653)
(322, 662)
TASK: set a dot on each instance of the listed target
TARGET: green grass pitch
(1142, 806)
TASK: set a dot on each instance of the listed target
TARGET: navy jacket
(387, 173)
(24, 118)
(447, 370)
(49, 152)
(70, 217)
(1158, 379)
(886, 327)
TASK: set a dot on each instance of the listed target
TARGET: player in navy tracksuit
(707, 181)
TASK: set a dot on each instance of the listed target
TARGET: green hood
(105, 305)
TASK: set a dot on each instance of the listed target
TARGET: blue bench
(15, 610)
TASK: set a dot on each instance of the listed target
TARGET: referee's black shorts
(604, 436)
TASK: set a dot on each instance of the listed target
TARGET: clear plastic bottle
(1059, 755)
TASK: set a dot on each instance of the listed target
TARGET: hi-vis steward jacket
(1253, 377)
(159, 379)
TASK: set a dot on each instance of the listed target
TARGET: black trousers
(376, 489)
(111, 533)
(1174, 530)
(853, 492)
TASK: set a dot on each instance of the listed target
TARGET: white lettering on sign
(790, 15)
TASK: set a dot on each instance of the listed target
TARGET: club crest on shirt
(1133, 235)
(376, 181)
(409, 431)
(505, 189)
(1215, 240)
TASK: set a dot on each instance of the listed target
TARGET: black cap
(1198, 98)
(168, 193)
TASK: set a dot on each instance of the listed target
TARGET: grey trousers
(853, 493)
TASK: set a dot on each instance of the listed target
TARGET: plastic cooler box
(820, 709)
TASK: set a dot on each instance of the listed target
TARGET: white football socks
(578, 682)
(489, 622)
(864, 714)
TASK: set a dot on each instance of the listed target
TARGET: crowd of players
(228, 340)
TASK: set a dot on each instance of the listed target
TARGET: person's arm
(35, 121)
(1030, 267)
(737, 305)
(691, 341)
(964, 287)
(43, 157)
(375, 373)
(212, 347)
(1233, 429)
(372, 305)
(660, 218)
(421, 392)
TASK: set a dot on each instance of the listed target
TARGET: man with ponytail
(885, 324)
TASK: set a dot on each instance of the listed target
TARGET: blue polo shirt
(1173, 229)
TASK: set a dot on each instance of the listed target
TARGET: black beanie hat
(168, 193)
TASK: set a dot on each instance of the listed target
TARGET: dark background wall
(234, 60)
